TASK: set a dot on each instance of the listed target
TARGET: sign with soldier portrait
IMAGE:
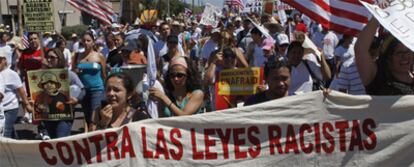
(49, 91)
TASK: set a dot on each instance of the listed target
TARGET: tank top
(90, 76)
(168, 113)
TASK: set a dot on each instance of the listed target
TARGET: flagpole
(168, 8)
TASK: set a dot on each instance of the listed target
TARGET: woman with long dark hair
(91, 68)
(392, 73)
(183, 89)
(119, 109)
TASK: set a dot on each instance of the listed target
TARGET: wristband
(169, 106)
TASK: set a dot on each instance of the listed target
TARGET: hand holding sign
(397, 17)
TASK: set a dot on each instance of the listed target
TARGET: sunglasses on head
(178, 75)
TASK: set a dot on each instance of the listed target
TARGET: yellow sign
(38, 15)
(243, 81)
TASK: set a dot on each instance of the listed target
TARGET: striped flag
(25, 39)
(344, 16)
(96, 8)
(235, 3)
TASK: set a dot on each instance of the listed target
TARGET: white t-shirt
(329, 43)
(68, 57)
(11, 81)
(301, 80)
(208, 48)
(9, 53)
(2, 117)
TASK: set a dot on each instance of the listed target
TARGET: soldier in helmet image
(50, 100)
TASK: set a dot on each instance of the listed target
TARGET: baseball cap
(282, 39)
(267, 44)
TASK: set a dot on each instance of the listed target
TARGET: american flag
(95, 8)
(235, 3)
(344, 16)
(25, 39)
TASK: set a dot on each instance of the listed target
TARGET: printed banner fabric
(303, 130)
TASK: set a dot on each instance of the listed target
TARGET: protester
(13, 90)
(183, 89)
(61, 128)
(307, 69)
(220, 61)
(277, 77)
(392, 73)
(31, 58)
(114, 59)
(118, 110)
(91, 68)
(61, 45)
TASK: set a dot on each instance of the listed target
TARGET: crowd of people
(189, 57)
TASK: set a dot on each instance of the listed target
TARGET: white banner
(210, 15)
(303, 130)
(398, 19)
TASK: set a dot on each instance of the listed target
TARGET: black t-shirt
(256, 99)
(114, 58)
(385, 84)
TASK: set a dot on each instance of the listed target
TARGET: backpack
(317, 84)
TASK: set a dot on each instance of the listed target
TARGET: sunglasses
(177, 75)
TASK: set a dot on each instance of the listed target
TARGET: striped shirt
(349, 80)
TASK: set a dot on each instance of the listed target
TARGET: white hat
(3, 53)
(282, 39)
(238, 18)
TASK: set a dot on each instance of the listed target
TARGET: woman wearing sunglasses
(183, 89)
(55, 59)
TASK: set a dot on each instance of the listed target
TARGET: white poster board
(397, 18)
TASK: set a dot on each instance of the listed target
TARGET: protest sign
(303, 130)
(253, 6)
(398, 19)
(242, 81)
(210, 15)
(38, 15)
(49, 89)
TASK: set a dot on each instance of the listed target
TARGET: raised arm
(366, 65)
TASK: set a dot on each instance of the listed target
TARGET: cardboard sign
(243, 81)
(210, 15)
(304, 130)
(38, 15)
(398, 19)
(49, 89)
